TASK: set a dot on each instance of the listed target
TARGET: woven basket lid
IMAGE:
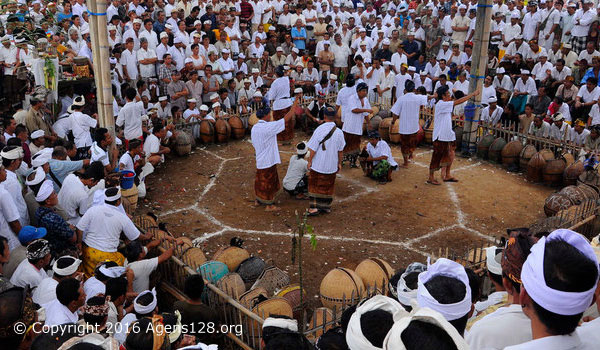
(272, 279)
(213, 271)
(145, 221)
(231, 256)
(194, 257)
(375, 273)
(249, 299)
(186, 242)
(292, 294)
(339, 286)
(273, 306)
(232, 284)
(250, 269)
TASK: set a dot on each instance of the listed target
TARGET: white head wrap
(36, 134)
(393, 340)
(40, 175)
(113, 198)
(40, 159)
(354, 336)
(532, 275)
(447, 268)
(66, 271)
(141, 309)
(45, 191)
(15, 153)
(174, 335)
(290, 325)
(493, 260)
(112, 272)
(201, 346)
(407, 296)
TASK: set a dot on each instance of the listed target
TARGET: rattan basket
(292, 294)
(250, 269)
(375, 274)
(272, 279)
(341, 287)
(145, 221)
(251, 297)
(231, 256)
(213, 271)
(193, 257)
(232, 284)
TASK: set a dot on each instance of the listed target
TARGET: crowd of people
(71, 254)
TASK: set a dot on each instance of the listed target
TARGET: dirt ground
(210, 193)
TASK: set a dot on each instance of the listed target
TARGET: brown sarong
(266, 185)
(408, 144)
(352, 144)
(320, 190)
(288, 133)
(443, 154)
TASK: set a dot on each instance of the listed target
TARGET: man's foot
(433, 182)
(450, 179)
(404, 165)
(313, 212)
(272, 208)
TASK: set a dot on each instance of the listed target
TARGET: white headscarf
(145, 309)
(112, 272)
(451, 269)
(532, 275)
(354, 336)
(291, 325)
(493, 265)
(45, 191)
(393, 340)
(407, 296)
(68, 270)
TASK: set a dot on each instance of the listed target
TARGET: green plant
(303, 229)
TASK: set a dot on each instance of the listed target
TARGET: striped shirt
(326, 161)
(407, 108)
(264, 140)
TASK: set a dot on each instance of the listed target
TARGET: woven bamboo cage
(232, 284)
(193, 257)
(525, 156)
(250, 269)
(384, 129)
(183, 146)
(555, 203)
(535, 167)
(231, 256)
(272, 279)
(547, 154)
(575, 194)
(395, 132)
(553, 172)
(186, 242)
(510, 153)
(375, 273)
(273, 306)
(213, 271)
(495, 150)
(292, 294)
(145, 221)
(590, 192)
(568, 158)
(320, 317)
(339, 286)
(483, 146)
(572, 173)
(252, 297)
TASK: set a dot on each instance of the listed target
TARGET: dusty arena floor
(209, 195)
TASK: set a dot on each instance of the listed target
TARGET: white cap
(462, 7)
(492, 99)
(196, 22)
(162, 98)
(326, 42)
(37, 134)
(423, 72)
(518, 37)
(272, 28)
(242, 56)
(295, 50)
(213, 96)
(208, 21)
(216, 104)
(279, 48)
(192, 100)
(204, 108)
(361, 29)
(363, 43)
(500, 70)
(85, 31)
(137, 21)
(188, 60)
(386, 41)
(257, 94)
(112, 60)
(445, 43)
(386, 63)
(412, 69)
(177, 40)
(332, 76)
(164, 35)
(111, 27)
(298, 90)
(169, 26)
(525, 71)
(515, 14)
(572, 4)
(255, 70)
(225, 51)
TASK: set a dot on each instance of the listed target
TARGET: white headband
(405, 295)
(493, 265)
(15, 153)
(201, 346)
(354, 336)
(393, 340)
(290, 325)
(68, 270)
(174, 335)
(45, 191)
(40, 159)
(142, 309)
(40, 175)
(112, 272)
(113, 198)
(451, 269)
(532, 275)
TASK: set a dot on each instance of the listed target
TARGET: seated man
(142, 268)
(376, 159)
(193, 311)
(155, 152)
(32, 270)
(295, 181)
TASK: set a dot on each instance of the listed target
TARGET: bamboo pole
(101, 53)
(478, 68)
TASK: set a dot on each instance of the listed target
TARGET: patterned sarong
(408, 144)
(352, 144)
(443, 154)
(288, 133)
(92, 256)
(320, 190)
(266, 185)
(380, 171)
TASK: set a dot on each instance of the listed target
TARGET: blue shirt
(589, 74)
(62, 16)
(62, 168)
(300, 44)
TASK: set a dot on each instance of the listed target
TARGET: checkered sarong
(578, 43)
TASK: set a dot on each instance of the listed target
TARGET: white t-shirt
(128, 161)
(92, 287)
(264, 140)
(73, 198)
(142, 270)
(442, 127)
(81, 124)
(325, 161)
(354, 121)
(102, 226)
(45, 292)
(27, 275)
(407, 109)
(151, 145)
(296, 170)
(10, 213)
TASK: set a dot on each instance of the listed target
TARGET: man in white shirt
(31, 271)
(135, 254)
(264, 141)
(279, 95)
(582, 20)
(129, 62)
(69, 298)
(12, 157)
(559, 130)
(492, 113)
(63, 267)
(559, 279)
(9, 218)
(102, 141)
(130, 117)
(147, 59)
(578, 133)
(149, 34)
(80, 125)
(155, 152)
(73, 195)
(326, 148)
(406, 112)
(295, 181)
(378, 162)
(539, 127)
(531, 22)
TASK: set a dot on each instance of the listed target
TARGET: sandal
(435, 183)
(451, 180)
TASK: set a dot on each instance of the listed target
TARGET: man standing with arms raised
(264, 140)
(326, 152)
(407, 109)
(279, 93)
